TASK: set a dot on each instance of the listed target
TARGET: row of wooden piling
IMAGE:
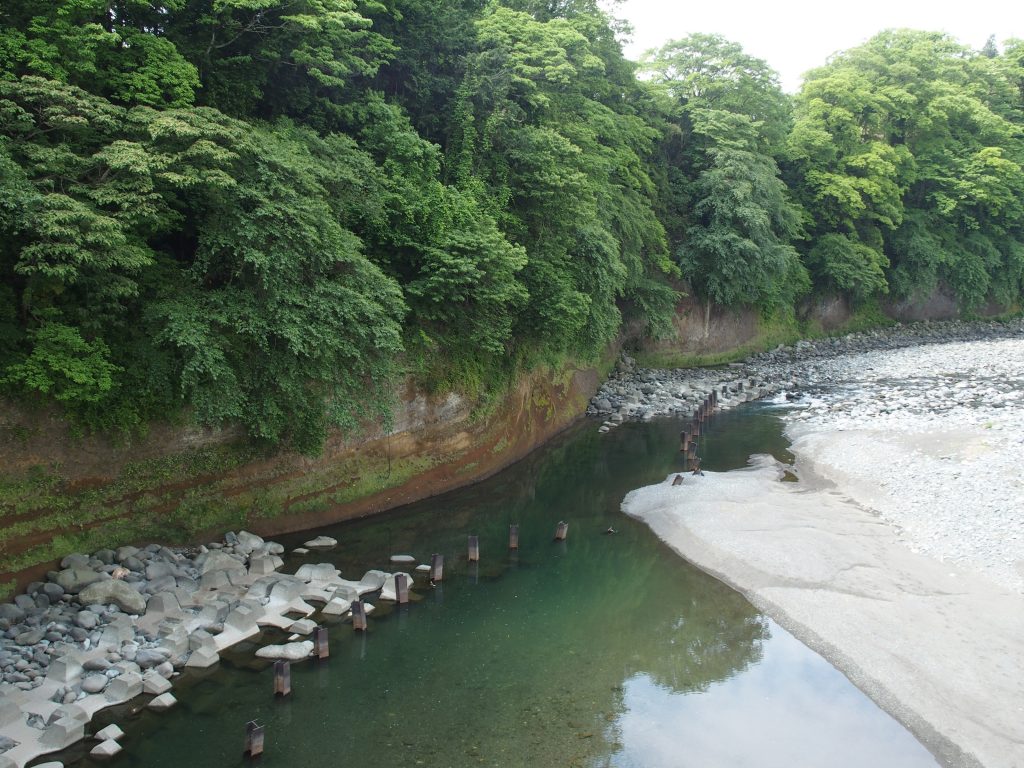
(255, 733)
(689, 438)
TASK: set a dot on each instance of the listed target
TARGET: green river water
(603, 650)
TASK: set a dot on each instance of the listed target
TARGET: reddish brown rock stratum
(59, 493)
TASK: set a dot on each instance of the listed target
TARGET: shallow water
(604, 650)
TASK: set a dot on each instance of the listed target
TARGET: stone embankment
(118, 624)
(632, 393)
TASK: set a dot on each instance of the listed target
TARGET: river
(603, 650)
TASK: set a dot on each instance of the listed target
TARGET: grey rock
(321, 542)
(30, 637)
(105, 556)
(76, 560)
(73, 580)
(289, 651)
(25, 602)
(12, 612)
(86, 619)
(125, 597)
(149, 657)
(94, 683)
(218, 561)
(123, 553)
(157, 570)
(52, 590)
(133, 563)
(247, 542)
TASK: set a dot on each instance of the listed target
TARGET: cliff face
(61, 493)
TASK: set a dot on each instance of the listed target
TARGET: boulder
(337, 607)
(53, 591)
(319, 572)
(73, 580)
(124, 596)
(30, 637)
(289, 651)
(321, 542)
(372, 581)
(150, 657)
(75, 560)
(157, 570)
(218, 561)
(94, 683)
(12, 612)
(247, 542)
(123, 553)
(302, 627)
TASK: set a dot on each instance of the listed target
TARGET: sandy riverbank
(898, 554)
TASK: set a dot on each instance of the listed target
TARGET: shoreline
(115, 626)
(896, 555)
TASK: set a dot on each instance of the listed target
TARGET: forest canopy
(267, 212)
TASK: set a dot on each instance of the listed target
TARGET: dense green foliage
(264, 213)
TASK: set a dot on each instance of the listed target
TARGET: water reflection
(793, 709)
(600, 650)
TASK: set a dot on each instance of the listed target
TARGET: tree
(734, 220)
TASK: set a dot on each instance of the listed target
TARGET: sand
(897, 555)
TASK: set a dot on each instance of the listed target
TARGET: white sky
(796, 35)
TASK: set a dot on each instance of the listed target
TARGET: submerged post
(253, 739)
(474, 549)
(282, 678)
(402, 588)
(358, 616)
(513, 537)
(561, 531)
(684, 438)
(436, 567)
(321, 649)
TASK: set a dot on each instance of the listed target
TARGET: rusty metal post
(358, 616)
(282, 678)
(321, 648)
(561, 531)
(513, 537)
(436, 567)
(402, 588)
(254, 739)
(474, 549)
